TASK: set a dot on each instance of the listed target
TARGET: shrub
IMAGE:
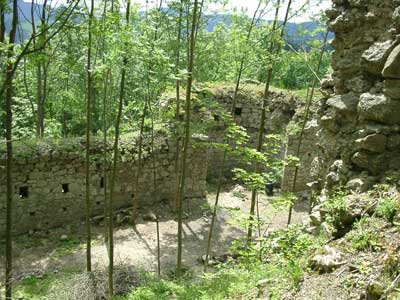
(363, 237)
(388, 208)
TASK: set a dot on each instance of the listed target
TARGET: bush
(388, 208)
(364, 237)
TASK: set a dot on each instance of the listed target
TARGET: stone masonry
(49, 181)
(359, 118)
(280, 111)
(306, 156)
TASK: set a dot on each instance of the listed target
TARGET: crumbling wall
(247, 113)
(49, 181)
(305, 154)
(359, 118)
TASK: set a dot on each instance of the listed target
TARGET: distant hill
(24, 17)
(293, 34)
(293, 30)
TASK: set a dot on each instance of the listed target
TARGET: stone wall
(306, 155)
(360, 115)
(49, 181)
(280, 110)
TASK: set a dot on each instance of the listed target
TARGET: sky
(312, 7)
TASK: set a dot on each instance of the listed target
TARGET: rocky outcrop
(359, 117)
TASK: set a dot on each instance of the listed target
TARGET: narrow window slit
(65, 188)
(238, 111)
(23, 192)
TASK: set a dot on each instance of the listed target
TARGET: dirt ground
(138, 246)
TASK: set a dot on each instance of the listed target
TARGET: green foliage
(388, 208)
(290, 243)
(150, 45)
(38, 287)
(269, 161)
(335, 206)
(363, 237)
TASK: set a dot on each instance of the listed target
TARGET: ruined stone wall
(359, 137)
(49, 181)
(280, 110)
(306, 156)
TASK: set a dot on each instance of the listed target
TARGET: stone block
(392, 65)
(378, 108)
(374, 58)
(373, 143)
(392, 88)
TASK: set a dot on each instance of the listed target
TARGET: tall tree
(222, 167)
(178, 100)
(9, 136)
(147, 107)
(274, 48)
(41, 67)
(88, 129)
(186, 143)
(115, 163)
(2, 21)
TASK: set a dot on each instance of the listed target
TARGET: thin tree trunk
(186, 144)
(28, 94)
(158, 248)
(63, 112)
(9, 164)
(147, 107)
(43, 100)
(2, 22)
(114, 169)
(178, 104)
(139, 165)
(105, 156)
(263, 111)
(306, 115)
(222, 167)
(88, 128)
(106, 81)
(41, 74)
(154, 193)
(39, 98)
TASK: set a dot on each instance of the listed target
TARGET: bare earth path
(139, 247)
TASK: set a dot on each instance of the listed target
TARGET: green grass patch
(39, 287)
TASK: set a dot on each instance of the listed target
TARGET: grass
(222, 285)
(39, 287)
(233, 282)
